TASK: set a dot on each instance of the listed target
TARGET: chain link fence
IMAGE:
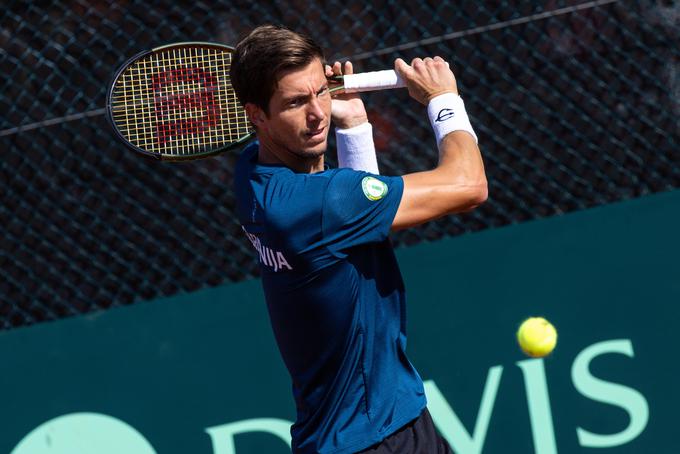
(575, 104)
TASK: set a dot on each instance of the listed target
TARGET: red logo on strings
(170, 108)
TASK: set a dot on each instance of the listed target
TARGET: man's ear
(256, 115)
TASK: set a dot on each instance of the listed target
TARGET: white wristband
(356, 149)
(447, 114)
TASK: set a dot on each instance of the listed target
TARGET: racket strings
(179, 102)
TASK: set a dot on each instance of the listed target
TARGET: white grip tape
(447, 114)
(375, 80)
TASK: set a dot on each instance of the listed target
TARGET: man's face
(299, 113)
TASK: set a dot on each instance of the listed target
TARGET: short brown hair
(260, 58)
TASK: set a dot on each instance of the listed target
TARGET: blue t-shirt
(335, 298)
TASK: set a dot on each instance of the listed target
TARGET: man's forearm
(356, 149)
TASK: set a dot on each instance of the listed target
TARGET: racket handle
(375, 80)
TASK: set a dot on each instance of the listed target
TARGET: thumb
(401, 67)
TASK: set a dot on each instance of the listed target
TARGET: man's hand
(426, 78)
(347, 110)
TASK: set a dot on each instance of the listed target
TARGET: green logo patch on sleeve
(374, 189)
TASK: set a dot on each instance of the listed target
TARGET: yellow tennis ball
(537, 337)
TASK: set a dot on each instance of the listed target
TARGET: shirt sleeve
(358, 208)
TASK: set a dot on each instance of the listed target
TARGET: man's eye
(323, 91)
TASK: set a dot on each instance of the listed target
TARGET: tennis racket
(176, 102)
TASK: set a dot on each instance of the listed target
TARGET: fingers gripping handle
(375, 80)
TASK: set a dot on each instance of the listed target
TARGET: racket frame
(156, 155)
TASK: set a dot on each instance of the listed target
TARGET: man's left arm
(353, 132)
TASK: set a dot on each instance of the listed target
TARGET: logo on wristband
(444, 115)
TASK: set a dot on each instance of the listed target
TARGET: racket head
(176, 102)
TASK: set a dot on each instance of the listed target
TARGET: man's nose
(315, 111)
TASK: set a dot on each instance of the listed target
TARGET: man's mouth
(315, 132)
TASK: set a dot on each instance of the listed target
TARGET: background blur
(575, 104)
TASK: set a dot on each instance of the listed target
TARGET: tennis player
(332, 284)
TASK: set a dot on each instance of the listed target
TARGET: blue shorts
(417, 437)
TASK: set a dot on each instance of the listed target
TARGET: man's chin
(314, 151)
